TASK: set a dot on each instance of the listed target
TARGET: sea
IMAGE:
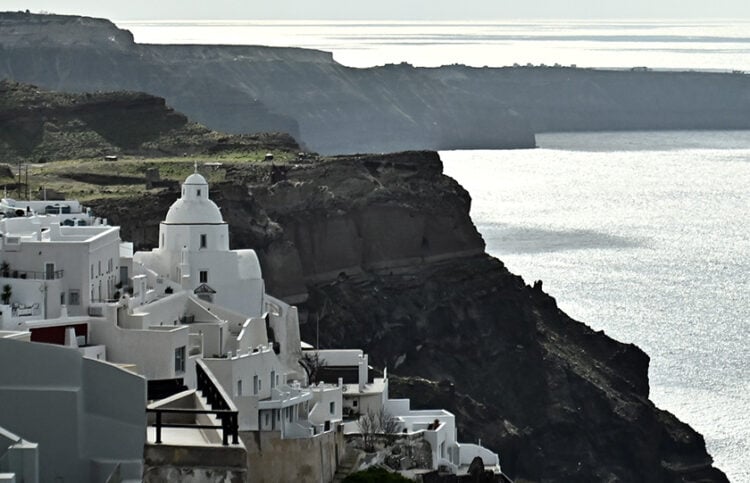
(644, 235)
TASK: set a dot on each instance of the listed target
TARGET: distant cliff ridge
(331, 108)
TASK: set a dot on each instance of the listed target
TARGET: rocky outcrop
(385, 250)
(43, 126)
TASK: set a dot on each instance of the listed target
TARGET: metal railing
(221, 406)
(32, 275)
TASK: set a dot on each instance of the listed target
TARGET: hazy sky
(388, 9)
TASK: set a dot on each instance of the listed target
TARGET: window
(124, 275)
(198, 192)
(62, 298)
(354, 403)
(204, 240)
(256, 387)
(268, 417)
(100, 268)
(203, 276)
(273, 379)
(49, 271)
(179, 359)
(332, 407)
(92, 270)
(239, 387)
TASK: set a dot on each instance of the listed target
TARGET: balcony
(213, 411)
(21, 310)
(284, 396)
(32, 275)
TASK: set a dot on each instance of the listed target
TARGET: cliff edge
(384, 252)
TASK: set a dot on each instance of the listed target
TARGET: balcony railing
(32, 275)
(221, 406)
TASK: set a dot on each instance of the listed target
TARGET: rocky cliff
(335, 109)
(385, 250)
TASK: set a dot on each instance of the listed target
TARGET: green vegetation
(375, 475)
(86, 179)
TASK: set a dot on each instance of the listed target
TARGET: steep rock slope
(384, 247)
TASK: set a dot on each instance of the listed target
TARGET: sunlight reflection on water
(646, 241)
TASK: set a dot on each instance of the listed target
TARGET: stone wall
(272, 459)
(194, 464)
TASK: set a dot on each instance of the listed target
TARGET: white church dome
(195, 178)
(194, 206)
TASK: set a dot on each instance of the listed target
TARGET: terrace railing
(221, 406)
(32, 275)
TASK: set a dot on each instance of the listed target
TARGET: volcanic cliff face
(385, 249)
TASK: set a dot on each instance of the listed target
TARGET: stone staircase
(211, 435)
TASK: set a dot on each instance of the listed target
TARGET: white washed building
(156, 313)
(48, 265)
(86, 416)
(194, 252)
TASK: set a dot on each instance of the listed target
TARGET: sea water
(642, 235)
(647, 237)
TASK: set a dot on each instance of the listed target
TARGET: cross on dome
(194, 207)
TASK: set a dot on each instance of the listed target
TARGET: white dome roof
(194, 206)
(195, 178)
(193, 212)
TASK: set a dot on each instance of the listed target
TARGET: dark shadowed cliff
(331, 108)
